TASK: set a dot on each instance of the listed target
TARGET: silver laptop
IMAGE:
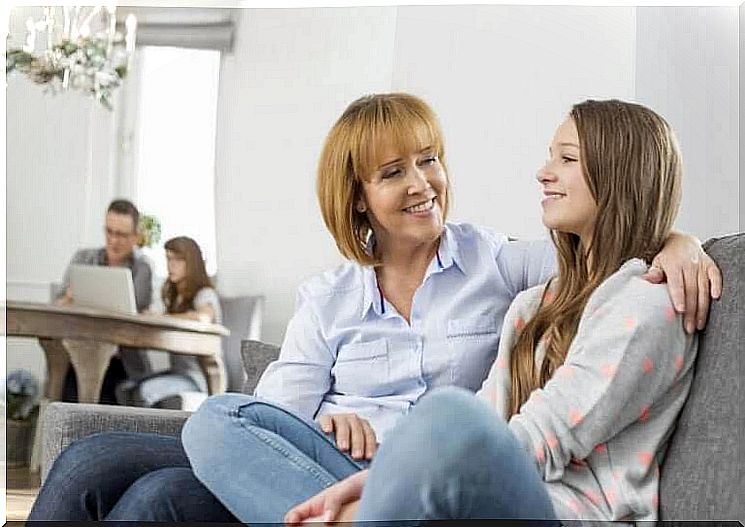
(101, 287)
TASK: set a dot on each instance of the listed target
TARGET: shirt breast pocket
(361, 368)
(473, 344)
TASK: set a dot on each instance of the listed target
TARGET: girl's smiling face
(568, 205)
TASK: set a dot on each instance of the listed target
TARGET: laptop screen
(101, 287)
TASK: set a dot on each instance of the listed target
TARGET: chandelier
(76, 48)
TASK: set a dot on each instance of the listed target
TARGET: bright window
(175, 145)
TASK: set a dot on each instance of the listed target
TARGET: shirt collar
(104, 260)
(447, 255)
(371, 296)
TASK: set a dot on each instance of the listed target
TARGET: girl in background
(186, 293)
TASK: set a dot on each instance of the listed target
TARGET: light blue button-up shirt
(347, 349)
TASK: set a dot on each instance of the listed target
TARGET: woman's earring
(361, 208)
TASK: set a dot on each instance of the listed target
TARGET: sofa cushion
(256, 357)
(701, 477)
(242, 315)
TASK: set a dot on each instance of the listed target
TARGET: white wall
(687, 70)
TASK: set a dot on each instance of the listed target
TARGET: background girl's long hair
(196, 276)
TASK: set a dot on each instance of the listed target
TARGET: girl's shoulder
(206, 295)
(525, 305)
(627, 287)
(530, 298)
(625, 299)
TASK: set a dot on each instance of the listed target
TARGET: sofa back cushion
(242, 315)
(256, 357)
(701, 478)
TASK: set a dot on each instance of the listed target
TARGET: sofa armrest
(63, 423)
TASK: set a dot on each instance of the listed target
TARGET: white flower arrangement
(81, 65)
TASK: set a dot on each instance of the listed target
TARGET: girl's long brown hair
(632, 165)
(196, 276)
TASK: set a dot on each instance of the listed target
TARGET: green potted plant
(148, 230)
(22, 408)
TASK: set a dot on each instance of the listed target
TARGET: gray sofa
(702, 475)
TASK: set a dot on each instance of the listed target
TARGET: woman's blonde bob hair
(351, 154)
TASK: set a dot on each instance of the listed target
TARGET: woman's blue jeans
(260, 459)
(450, 458)
(125, 477)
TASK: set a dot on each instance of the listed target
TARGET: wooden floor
(21, 491)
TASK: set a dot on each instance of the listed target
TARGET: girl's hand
(336, 503)
(66, 299)
(346, 514)
(203, 314)
(692, 278)
(352, 433)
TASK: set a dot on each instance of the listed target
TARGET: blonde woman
(593, 367)
(418, 305)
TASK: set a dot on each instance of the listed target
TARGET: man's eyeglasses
(117, 234)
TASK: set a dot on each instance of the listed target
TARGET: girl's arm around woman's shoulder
(629, 351)
(691, 276)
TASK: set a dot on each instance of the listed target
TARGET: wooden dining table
(88, 338)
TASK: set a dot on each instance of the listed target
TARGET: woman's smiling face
(403, 197)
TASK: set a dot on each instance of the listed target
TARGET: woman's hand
(336, 503)
(692, 278)
(352, 433)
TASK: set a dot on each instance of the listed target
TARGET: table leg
(214, 371)
(90, 359)
(35, 463)
(58, 361)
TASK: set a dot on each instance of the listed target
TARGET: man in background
(122, 219)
